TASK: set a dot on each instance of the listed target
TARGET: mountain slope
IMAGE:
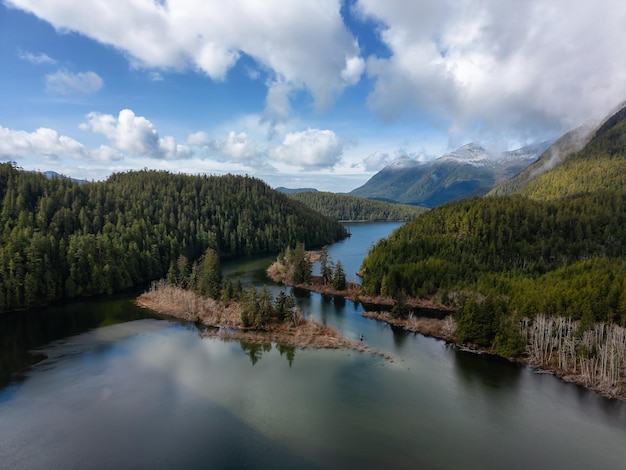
(468, 171)
(347, 207)
(599, 166)
(555, 247)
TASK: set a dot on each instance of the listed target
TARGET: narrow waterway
(102, 384)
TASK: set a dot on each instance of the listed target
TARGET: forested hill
(59, 239)
(556, 154)
(600, 165)
(557, 247)
(346, 207)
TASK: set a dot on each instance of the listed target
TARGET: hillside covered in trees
(352, 208)
(557, 247)
(59, 239)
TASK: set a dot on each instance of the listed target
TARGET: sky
(299, 93)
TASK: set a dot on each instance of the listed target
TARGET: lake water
(103, 384)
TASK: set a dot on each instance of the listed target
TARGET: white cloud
(304, 44)
(376, 161)
(65, 83)
(104, 153)
(198, 139)
(135, 135)
(509, 66)
(43, 142)
(312, 148)
(46, 143)
(355, 66)
(37, 59)
(236, 147)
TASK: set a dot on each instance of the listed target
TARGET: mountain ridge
(468, 171)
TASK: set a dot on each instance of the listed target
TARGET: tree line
(500, 259)
(294, 266)
(346, 207)
(60, 239)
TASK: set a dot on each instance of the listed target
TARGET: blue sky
(300, 93)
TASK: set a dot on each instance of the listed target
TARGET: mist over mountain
(469, 171)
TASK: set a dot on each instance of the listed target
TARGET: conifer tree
(339, 277)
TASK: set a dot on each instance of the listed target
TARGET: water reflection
(500, 374)
(21, 333)
(255, 350)
(288, 351)
(340, 304)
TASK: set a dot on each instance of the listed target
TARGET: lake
(103, 384)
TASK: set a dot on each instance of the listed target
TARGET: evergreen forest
(556, 248)
(60, 239)
(352, 208)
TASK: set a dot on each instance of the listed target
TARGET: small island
(224, 319)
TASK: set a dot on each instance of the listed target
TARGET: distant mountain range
(54, 174)
(469, 171)
(295, 190)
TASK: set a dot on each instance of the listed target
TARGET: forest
(352, 208)
(512, 264)
(563, 257)
(60, 239)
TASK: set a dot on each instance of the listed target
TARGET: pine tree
(326, 267)
(339, 277)
(209, 282)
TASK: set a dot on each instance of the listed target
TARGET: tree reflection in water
(255, 350)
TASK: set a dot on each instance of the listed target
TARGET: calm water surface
(102, 384)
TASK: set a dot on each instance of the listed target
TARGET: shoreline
(443, 329)
(223, 320)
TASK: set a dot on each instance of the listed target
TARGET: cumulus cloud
(304, 44)
(135, 135)
(63, 82)
(104, 153)
(198, 139)
(313, 148)
(502, 65)
(46, 143)
(43, 142)
(37, 59)
(236, 147)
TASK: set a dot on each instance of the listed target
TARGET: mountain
(554, 247)
(53, 174)
(553, 156)
(586, 161)
(346, 207)
(468, 171)
(284, 190)
(577, 145)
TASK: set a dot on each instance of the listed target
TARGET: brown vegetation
(438, 328)
(594, 358)
(225, 319)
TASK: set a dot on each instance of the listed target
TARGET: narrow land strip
(223, 320)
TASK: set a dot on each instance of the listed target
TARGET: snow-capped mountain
(468, 171)
(471, 153)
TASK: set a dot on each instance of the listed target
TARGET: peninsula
(224, 320)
